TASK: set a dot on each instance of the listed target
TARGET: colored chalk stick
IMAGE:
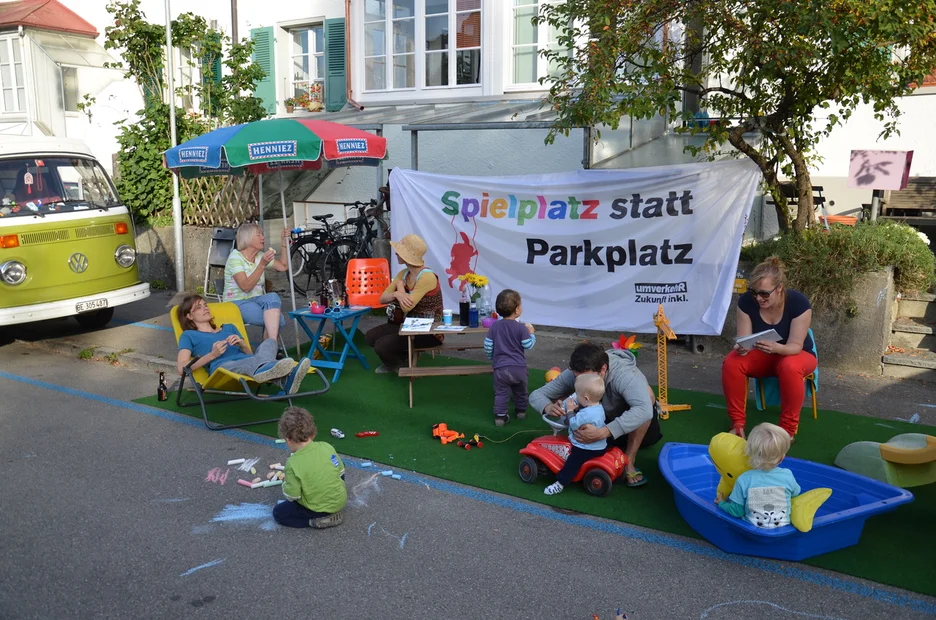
(278, 467)
(246, 483)
(388, 472)
(272, 483)
(236, 461)
(397, 477)
(253, 470)
(366, 464)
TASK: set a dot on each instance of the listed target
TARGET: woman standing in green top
(244, 281)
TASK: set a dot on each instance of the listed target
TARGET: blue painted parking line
(161, 328)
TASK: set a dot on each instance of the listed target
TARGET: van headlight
(125, 256)
(13, 272)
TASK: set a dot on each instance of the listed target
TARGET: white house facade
(463, 73)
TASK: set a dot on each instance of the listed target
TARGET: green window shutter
(212, 63)
(263, 55)
(336, 84)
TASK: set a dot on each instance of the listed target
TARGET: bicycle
(309, 251)
(359, 242)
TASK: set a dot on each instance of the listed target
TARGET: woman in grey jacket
(631, 410)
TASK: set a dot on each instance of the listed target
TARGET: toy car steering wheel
(557, 424)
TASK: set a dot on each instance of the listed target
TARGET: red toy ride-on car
(549, 453)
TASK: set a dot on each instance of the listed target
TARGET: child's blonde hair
(766, 446)
(297, 425)
(591, 386)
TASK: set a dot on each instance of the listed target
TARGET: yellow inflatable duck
(728, 454)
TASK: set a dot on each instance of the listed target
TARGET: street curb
(129, 359)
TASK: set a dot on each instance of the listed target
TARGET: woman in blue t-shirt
(223, 347)
(768, 304)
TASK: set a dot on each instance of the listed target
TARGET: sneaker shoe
(520, 414)
(383, 369)
(554, 489)
(294, 380)
(500, 420)
(274, 370)
(330, 521)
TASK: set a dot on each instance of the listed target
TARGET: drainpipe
(347, 45)
(27, 71)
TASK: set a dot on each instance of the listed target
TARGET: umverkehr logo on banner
(351, 145)
(268, 150)
(660, 292)
(193, 155)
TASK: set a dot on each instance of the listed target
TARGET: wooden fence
(219, 201)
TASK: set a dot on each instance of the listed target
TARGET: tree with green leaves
(762, 70)
(224, 96)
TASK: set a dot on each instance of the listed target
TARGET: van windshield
(50, 185)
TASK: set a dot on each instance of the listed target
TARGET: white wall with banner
(589, 249)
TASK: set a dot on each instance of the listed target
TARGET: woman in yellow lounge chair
(223, 347)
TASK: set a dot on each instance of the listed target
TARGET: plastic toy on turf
(473, 442)
(444, 434)
(549, 453)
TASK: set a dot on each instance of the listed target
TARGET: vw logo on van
(78, 262)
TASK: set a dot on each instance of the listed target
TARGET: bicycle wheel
(302, 266)
(335, 264)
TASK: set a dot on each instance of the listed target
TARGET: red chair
(366, 280)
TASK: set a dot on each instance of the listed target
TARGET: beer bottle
(162, 392)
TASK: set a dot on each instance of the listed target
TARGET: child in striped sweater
(505, 344)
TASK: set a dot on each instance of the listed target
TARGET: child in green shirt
(314, 482)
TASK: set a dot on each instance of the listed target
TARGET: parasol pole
(260, 198)
(287, 258)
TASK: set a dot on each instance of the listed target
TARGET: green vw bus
(66, 242)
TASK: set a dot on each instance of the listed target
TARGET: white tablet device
(748, 342)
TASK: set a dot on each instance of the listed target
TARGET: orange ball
(552, 373)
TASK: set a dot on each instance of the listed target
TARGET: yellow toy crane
(664, 333)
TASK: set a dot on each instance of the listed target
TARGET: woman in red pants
(768, 304)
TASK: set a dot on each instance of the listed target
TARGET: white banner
(590, 249)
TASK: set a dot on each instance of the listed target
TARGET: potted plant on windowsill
(290, 104)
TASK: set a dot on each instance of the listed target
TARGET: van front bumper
(67, 307)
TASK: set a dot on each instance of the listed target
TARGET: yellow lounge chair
(223, 381)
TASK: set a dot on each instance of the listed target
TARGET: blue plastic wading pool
(838, 523)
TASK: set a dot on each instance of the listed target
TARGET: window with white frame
(12, 76)
(70, 88)
(307, 66)
(420, 33)
(527, 64)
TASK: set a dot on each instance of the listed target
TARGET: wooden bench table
(454, 341)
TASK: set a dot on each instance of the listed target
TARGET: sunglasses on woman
(763, 294)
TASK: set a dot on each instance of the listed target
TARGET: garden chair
(233, 386)
(365, 281)
(767, 390)
(222, 242)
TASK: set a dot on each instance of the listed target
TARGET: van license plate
(88, 306)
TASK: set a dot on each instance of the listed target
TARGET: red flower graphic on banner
(462, 253)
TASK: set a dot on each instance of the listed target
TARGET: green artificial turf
(897, 548)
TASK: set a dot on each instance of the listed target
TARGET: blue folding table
(332, 359)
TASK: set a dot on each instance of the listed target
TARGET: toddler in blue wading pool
(506, 342)
(762, 494)
(585, 408)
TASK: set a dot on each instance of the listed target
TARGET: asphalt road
(113, 510)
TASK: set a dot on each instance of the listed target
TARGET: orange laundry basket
(366, 280)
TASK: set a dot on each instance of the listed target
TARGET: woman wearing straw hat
(416, 292)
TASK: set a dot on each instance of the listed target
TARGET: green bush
(825, 265)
